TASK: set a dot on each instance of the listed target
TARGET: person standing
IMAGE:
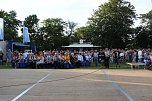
(1, 57)
(95, 57)
(107, 57)
(136, 55)
(116, 57)
(140, 55)
(9, 56)
(101, 57)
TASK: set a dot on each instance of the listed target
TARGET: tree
(85, 33)
(11, 24)
(112, 23)
(144, 38)
(70, 30)
(147, 20)
(51, 34)
(71, 26)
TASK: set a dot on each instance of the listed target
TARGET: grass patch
(5, 66)
(112, 66)
(93, 66)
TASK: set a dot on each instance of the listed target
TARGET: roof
(21, 44)
(82, 45)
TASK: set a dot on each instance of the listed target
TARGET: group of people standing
(118, 56)
(57, 58)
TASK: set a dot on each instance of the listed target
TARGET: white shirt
(139, 54)
(41, 60)
(95, 54)
(87, 57)
(25, 55)
(151, 57)
(121, 54)
(107, 54)
(80, 57)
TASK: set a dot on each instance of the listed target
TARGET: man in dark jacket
(1, 57)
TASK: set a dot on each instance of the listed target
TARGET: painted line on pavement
(118, 86)
(120, 82)
(20, 95)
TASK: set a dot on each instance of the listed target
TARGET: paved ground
(74, 85)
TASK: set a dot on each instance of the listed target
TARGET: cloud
(76, 10)
(73, 10)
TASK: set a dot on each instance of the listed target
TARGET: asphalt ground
(75, 85)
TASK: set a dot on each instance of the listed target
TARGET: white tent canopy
(81, 45)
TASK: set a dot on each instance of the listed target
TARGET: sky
(77, 11)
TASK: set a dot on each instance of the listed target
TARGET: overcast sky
(72, 10)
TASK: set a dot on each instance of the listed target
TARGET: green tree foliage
(112, 22)
(11, 24)
(32, 22)
(144, 38)
(147, 20)
(51, 34)
(84, 33)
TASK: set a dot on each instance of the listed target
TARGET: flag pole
(3, 30)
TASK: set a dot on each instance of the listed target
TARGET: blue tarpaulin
(20, 44)
(1, 29)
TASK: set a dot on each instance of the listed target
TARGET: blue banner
(25, 35)
(1, 29)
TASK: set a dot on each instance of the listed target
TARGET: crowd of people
(73, 59)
